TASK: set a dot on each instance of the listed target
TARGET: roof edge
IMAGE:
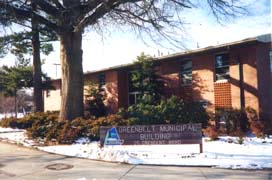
(265, 38)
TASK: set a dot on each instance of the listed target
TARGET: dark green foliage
(15, 78)
(46, 126)
(29, 120)
(144, 114)
(95, 101)
(15, 123)
(68, 134)
(169, 111)
(145, 80)
(177, 111)
(43, 124)
(19, 44)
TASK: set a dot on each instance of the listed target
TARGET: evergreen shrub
(170, 111)
(94, 105)
(176, 111)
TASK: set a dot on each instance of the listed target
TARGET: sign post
(152, 135)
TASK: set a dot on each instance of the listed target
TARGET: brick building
(237, 74)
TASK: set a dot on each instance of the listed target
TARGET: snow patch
(254, 153)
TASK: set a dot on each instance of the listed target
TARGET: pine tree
(145, 80)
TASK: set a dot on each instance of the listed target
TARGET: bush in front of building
(26, 121)
(236, 122)
(256, 124)
(94, 105)
(45, 127)
(42, 125)
(231, 121)
(168, 111)
(144, 114)
(10, 122)
(177, 111)
(211, 132)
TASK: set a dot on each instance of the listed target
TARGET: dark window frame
(221, 69)
(186, 74)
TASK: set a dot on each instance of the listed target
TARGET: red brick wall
(203, 78)
(246, 55)
(169, 72)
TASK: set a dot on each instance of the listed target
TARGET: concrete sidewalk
(20, 163)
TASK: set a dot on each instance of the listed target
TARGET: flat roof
(262, 38)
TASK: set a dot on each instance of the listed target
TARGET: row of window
(221, 73)
(221, 69)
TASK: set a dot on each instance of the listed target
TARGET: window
(101, 81)
(186, 72)
(221, 67)
(133, 97)
(270, 56)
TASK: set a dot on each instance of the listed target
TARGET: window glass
(186, 72)
(221, 61)
(133, 97)
(221, 67)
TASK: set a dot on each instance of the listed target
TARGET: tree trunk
(37, 73)
(72, 76)
(37, 70)
(15, 102)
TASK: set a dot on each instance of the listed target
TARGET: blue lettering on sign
(112, 137)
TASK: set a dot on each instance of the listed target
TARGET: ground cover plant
(47, 128)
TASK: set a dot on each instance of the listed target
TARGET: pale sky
(119, 48)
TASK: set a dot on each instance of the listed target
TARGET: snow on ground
(254, 153)
(19, 115)
(16, 136)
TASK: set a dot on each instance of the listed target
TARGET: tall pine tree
(145, 80)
